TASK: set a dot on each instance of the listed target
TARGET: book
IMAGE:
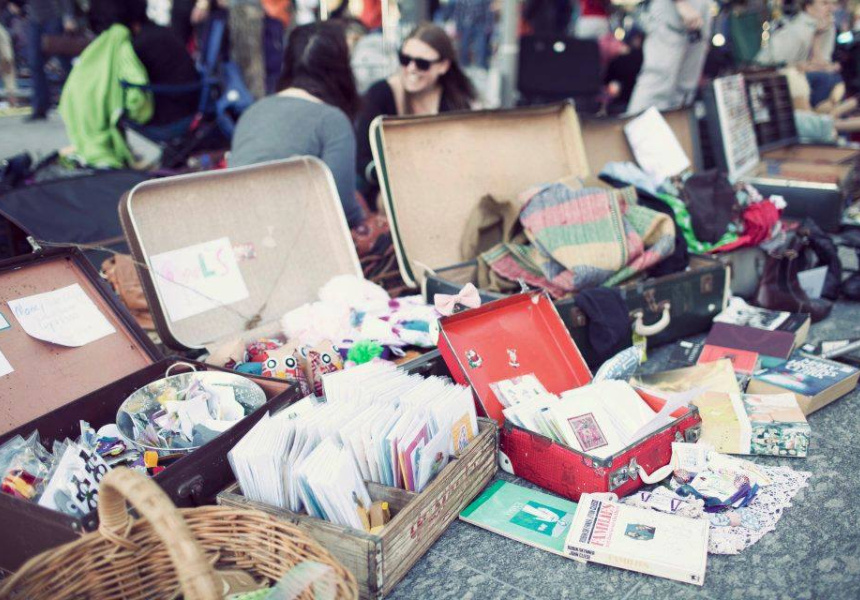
(777, 344)
(716, 376)
(738, 312)
(768, 424)
(528, 516)
(815, 382)
(639, 539)
(684, 354)
(797, 324)
(743, 361)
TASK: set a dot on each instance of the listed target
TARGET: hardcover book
(684, 354)
(743, 361)
(522, 514)
(639, 539)
(815, 382)
(778, 344)
(767, 424)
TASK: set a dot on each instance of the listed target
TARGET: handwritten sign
(66, 316)
(198, 278)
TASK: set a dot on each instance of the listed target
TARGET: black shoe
(36, 117)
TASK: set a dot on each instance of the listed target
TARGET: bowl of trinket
(180, 413)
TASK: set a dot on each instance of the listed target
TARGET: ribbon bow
(468, 297)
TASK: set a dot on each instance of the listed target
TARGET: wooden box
(379, 562)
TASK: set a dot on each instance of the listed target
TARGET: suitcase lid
(527, 324)
(284, 223)
(605, 140)
(771, 110)
(731, 127)
(433, 171)
(58, 374)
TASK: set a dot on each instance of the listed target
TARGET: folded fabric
(759, 221)
(582, 238)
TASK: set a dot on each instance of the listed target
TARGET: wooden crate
(379, 562)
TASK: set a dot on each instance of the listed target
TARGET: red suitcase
(524, 334)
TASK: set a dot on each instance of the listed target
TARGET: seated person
(806, 42)
(429, 82)
(310, 115)
(166, 61)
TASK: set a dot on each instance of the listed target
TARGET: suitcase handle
(639, 327)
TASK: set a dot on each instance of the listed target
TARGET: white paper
(655, 146)
(812, 281)
(199, 278)
(66, 316)
(5, 367)
(4, 324)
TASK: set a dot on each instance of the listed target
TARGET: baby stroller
(223, 98)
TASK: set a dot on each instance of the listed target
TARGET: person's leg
(273, 45)
(657, 82)
(246, 46)
(482, 45)
(690, 70)
(466, 32)
(7, 66)
(36, 62)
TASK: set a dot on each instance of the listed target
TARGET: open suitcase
(605, 141)
(478, 346)
(284, 223)
(53, 387)
(434, 170)
(819, 190)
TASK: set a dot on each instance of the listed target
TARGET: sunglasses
(421, 63)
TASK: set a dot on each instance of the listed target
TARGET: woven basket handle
(197, 577)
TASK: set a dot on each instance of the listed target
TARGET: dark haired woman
(311, 115)
(429, 82)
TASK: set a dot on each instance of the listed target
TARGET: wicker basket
(168, 551)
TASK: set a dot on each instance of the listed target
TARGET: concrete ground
(39, 137)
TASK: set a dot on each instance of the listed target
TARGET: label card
(66, 316)
(655, 146)
(812, 281)
(5, 367)
(198, 278)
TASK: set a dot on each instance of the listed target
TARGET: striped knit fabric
(583, 238)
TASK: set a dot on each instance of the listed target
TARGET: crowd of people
(299, 70)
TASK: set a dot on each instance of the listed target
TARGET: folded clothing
(576, 239)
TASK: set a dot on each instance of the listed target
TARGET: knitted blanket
(575, 239)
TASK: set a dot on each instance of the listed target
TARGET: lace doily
(736, 530)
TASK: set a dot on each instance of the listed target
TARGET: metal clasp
(624, 474)
(692, 435)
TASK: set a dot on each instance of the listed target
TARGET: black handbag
(711, 201)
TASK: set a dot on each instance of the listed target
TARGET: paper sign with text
(197, 279)
(66, 316)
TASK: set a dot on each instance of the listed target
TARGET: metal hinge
(624, 474)
(692, 435)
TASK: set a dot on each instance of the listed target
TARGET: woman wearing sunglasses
(311, 115)
(429, 81)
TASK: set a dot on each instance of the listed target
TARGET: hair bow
(468, 296)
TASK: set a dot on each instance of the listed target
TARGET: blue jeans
(41, 99)
(273, 52)
(820, 86)
(474, 43)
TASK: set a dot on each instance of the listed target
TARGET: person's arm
(338, 152)
(690, 16)
(372, 105)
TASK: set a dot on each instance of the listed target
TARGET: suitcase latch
(706, 284)
(692, 435)
(624, 474)
(578, 318)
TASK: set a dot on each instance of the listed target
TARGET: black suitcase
(557, 67)
(52, 388)
(434, 170)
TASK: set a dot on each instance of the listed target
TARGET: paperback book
(815, 382)
(776, 344)
(764, 424)
(743, 361)
(522, 514)
(639, 539)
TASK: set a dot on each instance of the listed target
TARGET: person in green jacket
(93, 100)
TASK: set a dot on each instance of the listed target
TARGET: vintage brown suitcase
(819, 190)
(284, 223)
(434, 170)
(52, 388)
(605, 141)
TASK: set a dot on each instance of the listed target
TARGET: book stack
(815, 382)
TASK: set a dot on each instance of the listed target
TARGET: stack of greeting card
(376, 423)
